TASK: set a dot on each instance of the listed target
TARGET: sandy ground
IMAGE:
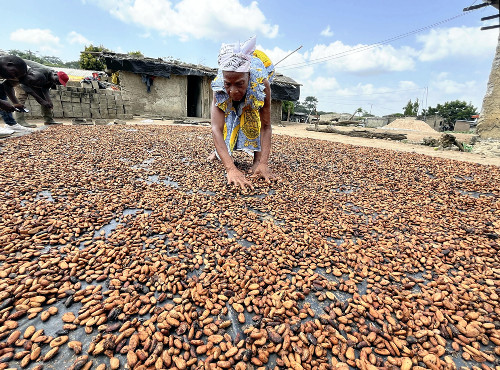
(299, 130)
(487, 153)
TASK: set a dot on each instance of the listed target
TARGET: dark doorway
(194, 96)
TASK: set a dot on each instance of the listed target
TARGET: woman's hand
(262, 171)
(236, 177)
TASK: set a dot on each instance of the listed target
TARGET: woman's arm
(260, 167)
(234, 176)
(265, 122)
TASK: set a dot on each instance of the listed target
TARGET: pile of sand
(409, 124)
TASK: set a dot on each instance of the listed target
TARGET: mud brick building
(172, 89)
(154, 87)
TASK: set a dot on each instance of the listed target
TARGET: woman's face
(236, 84)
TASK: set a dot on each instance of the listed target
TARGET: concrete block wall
(373, 122)
(436, 122)
(462, 126)
(82, 102)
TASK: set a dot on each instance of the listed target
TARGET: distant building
(435, 121)
(330, 117)
(336, 117)
(298, 117)
(462, 125)
(376, 121)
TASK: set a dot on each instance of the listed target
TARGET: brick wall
(82, 102)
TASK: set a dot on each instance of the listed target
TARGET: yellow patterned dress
(242, 122)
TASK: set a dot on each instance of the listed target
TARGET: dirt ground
(299, 130)
(486, 153)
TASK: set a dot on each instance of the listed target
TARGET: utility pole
(426, 94)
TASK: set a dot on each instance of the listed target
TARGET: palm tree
(359, 110)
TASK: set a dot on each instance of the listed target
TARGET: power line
(370, 46)
(340, 101)
(377, 93)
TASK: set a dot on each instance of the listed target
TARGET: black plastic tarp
(152, 68)
(281, 91)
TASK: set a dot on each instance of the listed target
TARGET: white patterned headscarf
(237, 57)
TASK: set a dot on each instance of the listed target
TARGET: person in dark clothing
(37, 83)
(12, 70)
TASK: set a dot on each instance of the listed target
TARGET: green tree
(136, 54)
(411, 109)
(287, 108)
(300, 108)
(452, 111)
(366, 114)
(359, 110)
(310, 102)
(51, 61)
(91, 61)
(73, 64)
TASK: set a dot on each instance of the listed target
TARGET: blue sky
(354, 53)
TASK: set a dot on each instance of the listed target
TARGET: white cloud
(76, 38)
(370, 92)
(211, 19)
(468, 42)
(320, 87)
(442, 88)
(322, 82)
(327, 32)
(447, 89)
(455, 87)
(363, 59)
(44, 40)
(325, 83)
(298, 74)
(377, 99)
